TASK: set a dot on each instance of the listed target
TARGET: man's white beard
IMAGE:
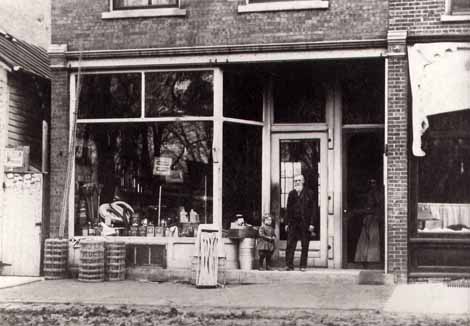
(299, 188)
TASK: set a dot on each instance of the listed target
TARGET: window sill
(284, 6)
(454, 18)
(162, 12)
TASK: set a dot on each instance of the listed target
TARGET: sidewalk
(283, 296)
(408, 298)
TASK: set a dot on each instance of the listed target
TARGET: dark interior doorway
(363, 166)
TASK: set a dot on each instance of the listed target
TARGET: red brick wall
(59, 146)
(78, 23)
(397, 192)
(423, 17)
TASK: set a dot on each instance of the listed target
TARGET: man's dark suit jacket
(308, 208)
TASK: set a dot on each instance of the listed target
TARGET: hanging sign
(162, 165)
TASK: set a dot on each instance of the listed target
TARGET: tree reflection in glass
(179, 93)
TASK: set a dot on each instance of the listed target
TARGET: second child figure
(265, 244)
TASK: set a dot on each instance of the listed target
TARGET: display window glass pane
(444, 175)
(163, 171)
(299, 95)
(243, 94)
(241, 173)
(110, 96)
(179, 93)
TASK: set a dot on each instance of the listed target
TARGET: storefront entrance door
(306, 154)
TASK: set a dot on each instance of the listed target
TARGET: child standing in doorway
(265, 244)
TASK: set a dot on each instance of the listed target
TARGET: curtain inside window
(440, 82)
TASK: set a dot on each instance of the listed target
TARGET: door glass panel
(299, 156)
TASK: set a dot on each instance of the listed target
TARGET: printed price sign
(162, 166)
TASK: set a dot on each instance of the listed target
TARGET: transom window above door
(299, 95)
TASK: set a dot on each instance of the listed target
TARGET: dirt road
(127, 315)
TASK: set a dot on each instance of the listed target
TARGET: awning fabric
(440, 83)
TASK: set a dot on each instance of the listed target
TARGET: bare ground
(126, 315)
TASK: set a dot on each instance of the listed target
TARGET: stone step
(237, 276)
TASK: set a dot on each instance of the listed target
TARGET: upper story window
(460, 7)
(143, 8)
(456, 10)
(282, 5)
(137, 4)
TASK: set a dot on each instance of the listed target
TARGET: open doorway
(363, 218)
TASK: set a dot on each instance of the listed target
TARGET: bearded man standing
(301, 217)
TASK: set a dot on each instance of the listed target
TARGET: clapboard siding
(26, 112)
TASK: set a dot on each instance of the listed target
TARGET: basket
(55, 258)
(115, 265)
(91, 267)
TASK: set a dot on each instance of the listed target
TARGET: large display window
(443, 176)
(143, 158)
(152, 147)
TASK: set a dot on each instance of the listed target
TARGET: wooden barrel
(115, 261)
(55, 258)
(91, 267)
(231, 254)
(246, 253)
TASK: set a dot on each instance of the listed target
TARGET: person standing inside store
(302, 205)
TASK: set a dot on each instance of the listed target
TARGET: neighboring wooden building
(24, 120)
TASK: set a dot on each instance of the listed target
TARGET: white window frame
(217, 144)
(143, 12)
(450, 16)
(281, 5)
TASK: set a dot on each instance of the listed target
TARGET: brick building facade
(269, 57)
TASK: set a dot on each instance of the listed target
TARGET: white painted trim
(217, 145)
(312, 127)
(336, 179)
(71, 218)
(130, 71)
(283, 6)
(229, 58)
(266, 149)
(322, 136)
(243, 121)
(131, 120)
(366, 126)
(455, 18)
(142, 95)
(136, 13)
(385, 171)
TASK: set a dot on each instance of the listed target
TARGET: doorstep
(238, 276)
